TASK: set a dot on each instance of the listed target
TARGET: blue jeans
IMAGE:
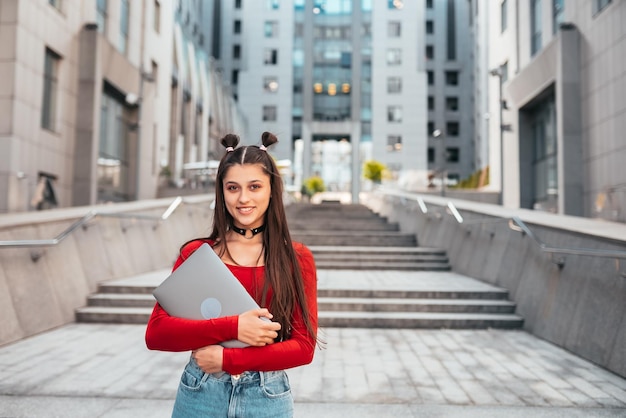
(251, 394)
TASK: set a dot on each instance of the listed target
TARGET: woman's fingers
(256, 329)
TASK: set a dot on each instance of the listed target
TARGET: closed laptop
(202, 287)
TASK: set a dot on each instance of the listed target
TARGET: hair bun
(230, 140)
(268, 138)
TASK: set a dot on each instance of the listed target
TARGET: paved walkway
(86, 370)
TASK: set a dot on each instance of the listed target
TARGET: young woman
(250, 235)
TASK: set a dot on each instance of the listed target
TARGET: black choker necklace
(243, 231)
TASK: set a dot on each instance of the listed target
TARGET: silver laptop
(202, 287)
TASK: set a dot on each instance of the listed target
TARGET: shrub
(313, 185)
(374, 170)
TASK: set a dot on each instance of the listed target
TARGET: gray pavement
(100, 370)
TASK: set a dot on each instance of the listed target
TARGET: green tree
(374, 170)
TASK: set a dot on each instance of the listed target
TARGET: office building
(561, 66)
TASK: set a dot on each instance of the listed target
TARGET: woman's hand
(209, 358)
(255, 331)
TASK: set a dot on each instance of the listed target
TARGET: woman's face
(247, 193)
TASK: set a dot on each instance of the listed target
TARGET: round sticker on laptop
(210, 308)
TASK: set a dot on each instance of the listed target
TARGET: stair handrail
(29, 243)
(516, 224)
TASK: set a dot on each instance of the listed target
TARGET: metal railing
(516, 224)
(32, 243)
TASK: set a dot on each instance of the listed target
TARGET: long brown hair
(282, 270)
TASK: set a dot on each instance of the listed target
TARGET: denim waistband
(245, 377)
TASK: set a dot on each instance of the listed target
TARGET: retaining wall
(580, 306)
(40, 287)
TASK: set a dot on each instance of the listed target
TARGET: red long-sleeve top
(168, 333)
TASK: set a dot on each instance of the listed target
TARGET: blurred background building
(113, 100)
(556, 104)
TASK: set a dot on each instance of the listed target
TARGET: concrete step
(122, 300)
(330, 304)
(427, 320)
(390, 258)
(461, 294)
(381, 265)
(340, 319)
(363, 238)
(336, 318)
(341, 225)
(129, 300)
(109, 295)
(113, 315)
(114, 288)
(328, 249)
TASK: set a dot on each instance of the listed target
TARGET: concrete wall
(579, 307)
(36, 296)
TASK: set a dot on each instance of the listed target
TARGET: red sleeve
(168, 333)
(296, 351)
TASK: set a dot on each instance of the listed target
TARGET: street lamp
(499, 72)
(438, 133)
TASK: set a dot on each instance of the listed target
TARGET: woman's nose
(244, 196)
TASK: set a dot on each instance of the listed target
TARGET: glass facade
(543, 123)
(113, 154)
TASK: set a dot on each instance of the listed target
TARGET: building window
(430, 27)
(394, 56)
(237, 26)
(113, 174)
(394, 143)
(271, 29)
(394, 85)
(557, 14)
(544, 164)
(101, 15)
(452, 154)
(431, 103)
(273, 4)
(431, 77)
(394, 29)
(503, 16)
(452, 78)
(234, 77)
(394, 114)
(395, 4)
(236, 51)
(430, 52)
(452, 104)
(451, 30)
(124, 22)
(598, 5)
(430, 128)
(298, 30)
(429, 4)
(237, 4)
(298, 58)
(452, 128)
(50, 90)
(270, 57)
(270, 84)
(535, 26)
(269, 114)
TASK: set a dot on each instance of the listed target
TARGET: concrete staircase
(412, 286)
